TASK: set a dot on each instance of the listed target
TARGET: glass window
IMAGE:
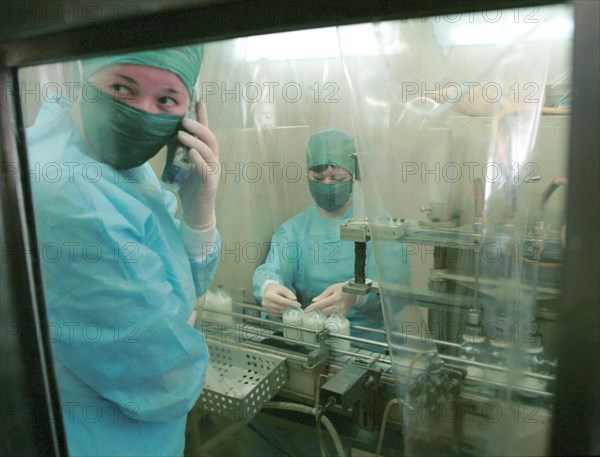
(405, 178)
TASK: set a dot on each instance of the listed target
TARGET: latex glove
(199, 191)
(192, 319)
(331, 298)
(277, 298)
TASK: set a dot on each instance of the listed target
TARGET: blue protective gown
(119, 289)
(307, 256)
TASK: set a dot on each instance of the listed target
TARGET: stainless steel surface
(239, 380)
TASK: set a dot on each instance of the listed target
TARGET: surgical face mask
(121, 135)
(330, 197)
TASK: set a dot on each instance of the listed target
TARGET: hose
(555, 184)
(287, 406)
(502, 114)
(496, 121)
(386, 413)
(318, 415)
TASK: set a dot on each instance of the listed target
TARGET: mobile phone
(178, 165)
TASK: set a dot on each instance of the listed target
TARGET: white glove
(331, 298)
(199, 191)
(277, 298)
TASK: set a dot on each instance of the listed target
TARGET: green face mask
(330, 197)
(121, 135)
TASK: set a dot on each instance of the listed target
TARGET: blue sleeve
(204, 270)
(170, 201)
(277, 266)
(118, 311)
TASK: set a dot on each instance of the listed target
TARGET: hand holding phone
(178, 165)
(198, 192)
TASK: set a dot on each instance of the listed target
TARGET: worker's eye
(342, 178)
(167, 101)
(121, 91)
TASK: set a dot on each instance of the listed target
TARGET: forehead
(142, 75)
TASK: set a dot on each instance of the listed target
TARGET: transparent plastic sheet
(461, 131)
(259, 110)
(41, 83)
(450, 155)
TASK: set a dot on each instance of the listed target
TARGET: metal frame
(26, 363)
(577, 407)
(29, 396)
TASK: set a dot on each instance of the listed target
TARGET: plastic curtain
(451, 155)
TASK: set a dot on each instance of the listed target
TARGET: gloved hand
(277, 298)
(199, 191)
(331, 298)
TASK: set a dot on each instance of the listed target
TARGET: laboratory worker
(120, 273)
(308, 264)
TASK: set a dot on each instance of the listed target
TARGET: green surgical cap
(184, 61)
(333, 147)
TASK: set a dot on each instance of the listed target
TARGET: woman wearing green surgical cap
(121, 291)
(308, 263)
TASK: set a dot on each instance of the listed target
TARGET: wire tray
(239, 381)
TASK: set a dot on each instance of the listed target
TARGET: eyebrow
(129, 79)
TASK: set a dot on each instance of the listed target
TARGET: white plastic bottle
(294, 318)
(339, 324)
(215, 304)
(315, 320)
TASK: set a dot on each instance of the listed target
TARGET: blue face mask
(121, 135)
(330, 197)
